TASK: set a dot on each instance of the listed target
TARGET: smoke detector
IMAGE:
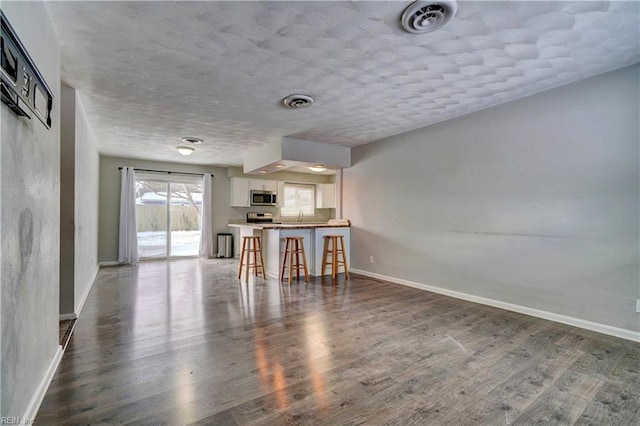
(298, 101)
(425, 16)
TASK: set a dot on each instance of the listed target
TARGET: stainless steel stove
(253, 217)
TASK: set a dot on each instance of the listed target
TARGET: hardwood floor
(186, 342)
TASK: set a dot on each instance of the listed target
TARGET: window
(299, 199)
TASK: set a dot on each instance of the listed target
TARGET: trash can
(225, 245)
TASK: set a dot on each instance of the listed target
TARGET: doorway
(168, 216)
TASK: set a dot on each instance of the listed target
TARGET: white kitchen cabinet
(242, 187)
(239, 192)
(326, 196)
(263, 185)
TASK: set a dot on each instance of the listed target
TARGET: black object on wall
(22, 84)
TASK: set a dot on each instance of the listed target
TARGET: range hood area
(291, 152)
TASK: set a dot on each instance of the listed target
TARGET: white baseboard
(41, 390)
(83, 299)
(86, 292)
(551, 316)
(38, 396)
(109, 263)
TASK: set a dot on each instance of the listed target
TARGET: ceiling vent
(425, 16)
(298, 101)
(191, 141)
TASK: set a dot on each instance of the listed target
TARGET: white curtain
(128, 241)
(206, 229)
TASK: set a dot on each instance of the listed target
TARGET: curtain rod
(168, 172)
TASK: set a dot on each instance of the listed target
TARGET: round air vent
(426, 16)
(298, 101)
(191, 141)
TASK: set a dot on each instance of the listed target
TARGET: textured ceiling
(150, 73)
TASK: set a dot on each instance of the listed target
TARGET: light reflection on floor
(316, 345)
(169, 302)
(271, 369)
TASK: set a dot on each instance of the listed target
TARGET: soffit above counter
(292, 152)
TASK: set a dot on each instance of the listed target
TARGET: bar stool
(331, 248)
(293, 247)
(252, 245)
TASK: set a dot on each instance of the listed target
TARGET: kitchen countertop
(267, 226)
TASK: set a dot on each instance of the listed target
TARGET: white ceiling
(150, 73)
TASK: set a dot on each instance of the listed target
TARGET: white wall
(29, 224)
(533, 203)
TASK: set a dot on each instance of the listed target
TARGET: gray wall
(67, 198)
(109, 204)
(79, 163)
(29, 223)
(86, 187)
(533, 203)
(223, 214)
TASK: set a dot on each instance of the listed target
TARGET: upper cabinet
(263, 185)
(242, 187)
(239, 192)
(325, 196)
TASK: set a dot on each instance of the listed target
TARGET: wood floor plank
(184, 342)
(564, 402)
(614, 404)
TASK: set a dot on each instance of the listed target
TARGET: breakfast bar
(274, 234)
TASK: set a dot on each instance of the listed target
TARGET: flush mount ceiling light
(317, 168)
(425, 16)
(264, 172)
(298, 101)
(185, 150)
(279, 166)
(191, 141)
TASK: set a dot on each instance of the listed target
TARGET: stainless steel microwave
(263, 198)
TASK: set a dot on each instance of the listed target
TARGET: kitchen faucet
(300, 215)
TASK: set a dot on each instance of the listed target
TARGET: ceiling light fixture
(317, 168)
(185, 150)
(279, 166)
(298, 101)
(264, 172)
(426, 16)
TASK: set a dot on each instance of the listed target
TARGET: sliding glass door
(168, 214)
(185, 213)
